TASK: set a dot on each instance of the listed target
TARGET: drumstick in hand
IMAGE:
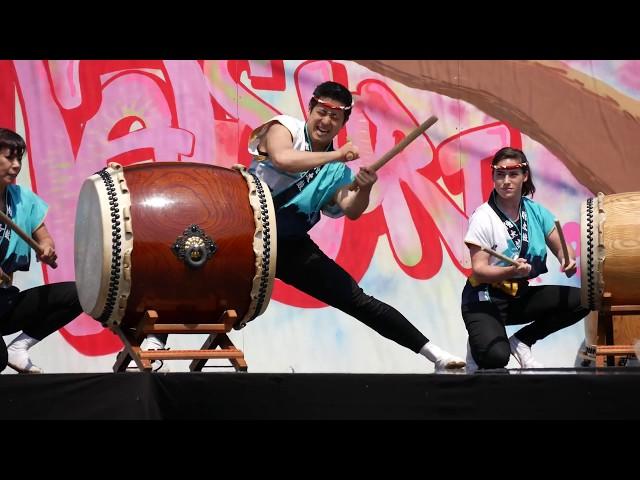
(496, 254)
(400, 146)
(349, 156)
(27, 238)
(563, 242)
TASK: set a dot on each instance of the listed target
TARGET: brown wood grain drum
(188, 240)
(610, 249)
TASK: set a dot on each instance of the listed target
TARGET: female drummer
(38, 311)
(498, 294)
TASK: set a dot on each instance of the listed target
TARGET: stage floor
(549, 394)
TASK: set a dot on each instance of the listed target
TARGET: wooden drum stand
(616, 334)
(217, 338)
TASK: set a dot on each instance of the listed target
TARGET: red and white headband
(331, 105)
(510, 167)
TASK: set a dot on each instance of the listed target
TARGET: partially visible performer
(498, 294)
(42, 310)
(306, 175)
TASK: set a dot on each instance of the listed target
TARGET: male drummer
(306, 176)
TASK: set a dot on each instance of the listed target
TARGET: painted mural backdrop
(406, 250)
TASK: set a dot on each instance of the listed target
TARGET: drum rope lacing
(266, 237)
(116, 248)
(589, 253)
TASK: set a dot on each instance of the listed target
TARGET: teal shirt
(300, 213)
(540, 224)
(27, 210)
(486, 228)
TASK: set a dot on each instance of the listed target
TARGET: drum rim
(112, 305)
(264, 245)
(588, 253)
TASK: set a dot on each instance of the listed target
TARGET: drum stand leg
(217, 338)
(613, 329)
(132, 350)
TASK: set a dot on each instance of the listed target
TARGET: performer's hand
(348, 152)
(4, 278)
(48, 256)
(522, 269)
(570, 269)
(365, 178)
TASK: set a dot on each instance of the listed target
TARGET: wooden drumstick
(563, 242)
(27, 238)
(496, 254)
(405, 141)
(500, 256)
(400, 146)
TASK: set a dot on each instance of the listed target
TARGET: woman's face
(508, 183)
(10, 166)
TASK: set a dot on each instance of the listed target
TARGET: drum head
(103, 242)
(92, 246)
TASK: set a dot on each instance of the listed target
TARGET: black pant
(302, 264)
(549, 308)
(38, 312)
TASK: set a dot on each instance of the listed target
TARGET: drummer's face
(10, 166)
(324, 124)
(508, 183)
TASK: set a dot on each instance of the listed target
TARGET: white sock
(18, 357)
(156, 342)
(432, 351)
(22, 342)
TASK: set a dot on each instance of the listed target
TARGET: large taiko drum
(610, 249)
(187, 240)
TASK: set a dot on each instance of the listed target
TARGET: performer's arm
(279, 146)
(555, 244)
(486, 273)
(45, 240)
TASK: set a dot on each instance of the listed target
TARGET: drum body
(187, 240)
(610, 249)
